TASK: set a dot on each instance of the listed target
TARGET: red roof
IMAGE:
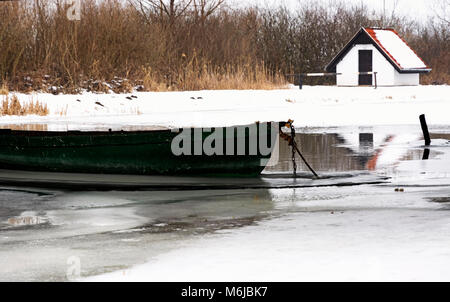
(389, 43)
(385, 48)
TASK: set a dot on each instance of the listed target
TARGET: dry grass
(62, 111)
(97, 87)
(440, 73)
(12, 106)
(152, 82)
(4, 89)
(208, 77)
(240, 77)
(124, 86)
(117, 47)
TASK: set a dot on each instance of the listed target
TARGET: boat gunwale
(44, 133)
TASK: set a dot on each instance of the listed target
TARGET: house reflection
(338, 153)
(325, 152)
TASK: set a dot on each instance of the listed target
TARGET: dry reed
(118, 47)
(12, 106)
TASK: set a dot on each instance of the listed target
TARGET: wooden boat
(135, 152)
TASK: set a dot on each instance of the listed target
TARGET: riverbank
(313, 106)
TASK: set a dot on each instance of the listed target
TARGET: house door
(365, 65)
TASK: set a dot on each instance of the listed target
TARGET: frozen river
(381, 213)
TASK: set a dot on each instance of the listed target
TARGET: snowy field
(314, 106)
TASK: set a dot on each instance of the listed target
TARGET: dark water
(330, 152)
(324, 152)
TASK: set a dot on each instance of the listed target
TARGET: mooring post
(375, 78)
(426, 134)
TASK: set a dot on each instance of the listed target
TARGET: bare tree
(205, 8)
(394, 7)
(441, 9)
(166, 9)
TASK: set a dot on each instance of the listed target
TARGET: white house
(379, 50)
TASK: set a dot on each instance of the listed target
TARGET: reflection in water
(440, 136)
(86, 127)
(324, 153)
(366, 143)
(26, 127)
(331, 152)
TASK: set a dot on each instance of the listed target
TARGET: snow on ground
(312, 106)
(350, 234)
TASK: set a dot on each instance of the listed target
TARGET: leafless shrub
(185, 44)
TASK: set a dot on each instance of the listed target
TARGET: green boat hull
(129, 152)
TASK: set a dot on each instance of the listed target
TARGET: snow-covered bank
(313, 106)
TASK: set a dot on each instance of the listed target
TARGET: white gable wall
(406, 78)
(348, 66)
(386, 73)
